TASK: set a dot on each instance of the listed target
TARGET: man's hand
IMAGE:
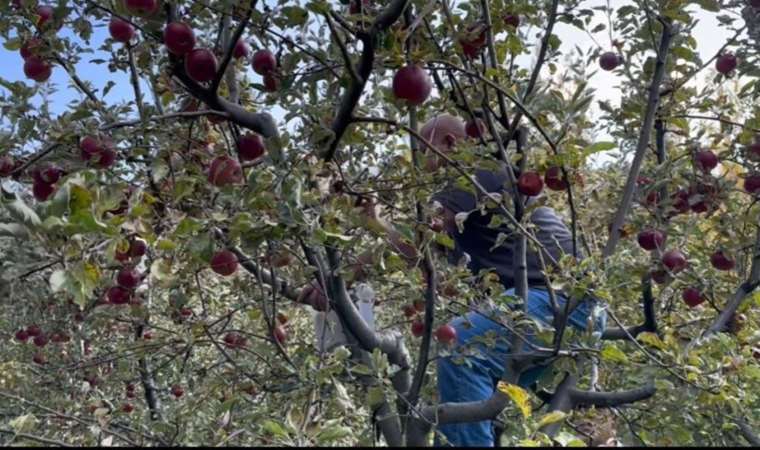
(314, 295)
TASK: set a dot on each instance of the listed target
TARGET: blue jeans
(477, 380)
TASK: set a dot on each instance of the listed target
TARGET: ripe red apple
(681, 201)
(179, 38)
(473, 39)
(224, 262)
(40, 340)
(44, 15)
(42, 191)
(177, 391)
(128, 278)
(721, 261)
(105, 159)
(752, 184)
(702, 197)
(250, 147)
(185, 312)
(650, 239)
(242, 49)
(223, 171)
(753, 150)
(121, 30)
(610, 60)
(355, 7)
(147, 335)
(47, 174)
(512, 20)
(130, 387)
(280, 334)
(436, 224)
(127, 408)
(264, 62)
(137, 248)
(6, 165)
(726, 63)
(33, 330)
(530, 184)
(30, 47)
(706, 160)
(412, 83)
(271, 82)
(476, 128)
(446, 334)
(410, 311)
(553, 179)
(674, 260)
(22, 335)
(418, 328)
(141, 8)
(230, 339)
(692, 297)
(117, 295)
(201, 65)
(39, 358)
(90, 146)
(37, 69)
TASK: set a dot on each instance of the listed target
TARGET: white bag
(328, 330)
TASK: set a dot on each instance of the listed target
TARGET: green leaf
(23, 424)
(13, 230)
(22, 212)
(274, 428)
(598, 147)
(612, 353)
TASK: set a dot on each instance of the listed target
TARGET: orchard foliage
(154, 250)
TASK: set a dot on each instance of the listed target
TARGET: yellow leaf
(518, 395)
(651, 339)
(552, 417)
(612, 353)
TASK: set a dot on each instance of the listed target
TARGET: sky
(708, 35)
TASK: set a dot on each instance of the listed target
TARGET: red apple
(692, 297)
(530, 184)
(22, 335)
(201, 65)
(553, 179)
(512, 20)
(280, 334)
(674, 260)
(47, 174)
(7, 165)
(39, 358)
(128, 278)
(681, 201)
(264, 62)
(121, 30)
(179, 38)
(271, 82)
(37, 69)
(141, 8)
(127, 408)
(177, 391)
(355, 7)
(726, 63)
(410, 311)
(137, 248)
(753, 150)
(752, 184)
(250, 147)
(33, 330)
(117, 295)
(130, 387)
(40, 340)
(224, 170)
(610, 60)
(224, 262)
(147, 335)
(650, 239)
(44, 15)
(473, 39)
(42, 191)
(721, 261)
(476, 128)
(242, 49)
(706, 160)
(30, 47)
(702, 197)
(412, 83)
(90, 146)
(418, 328)
(185, 312)
(105, 159)
(446, 334)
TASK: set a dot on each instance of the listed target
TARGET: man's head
(443, 132)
